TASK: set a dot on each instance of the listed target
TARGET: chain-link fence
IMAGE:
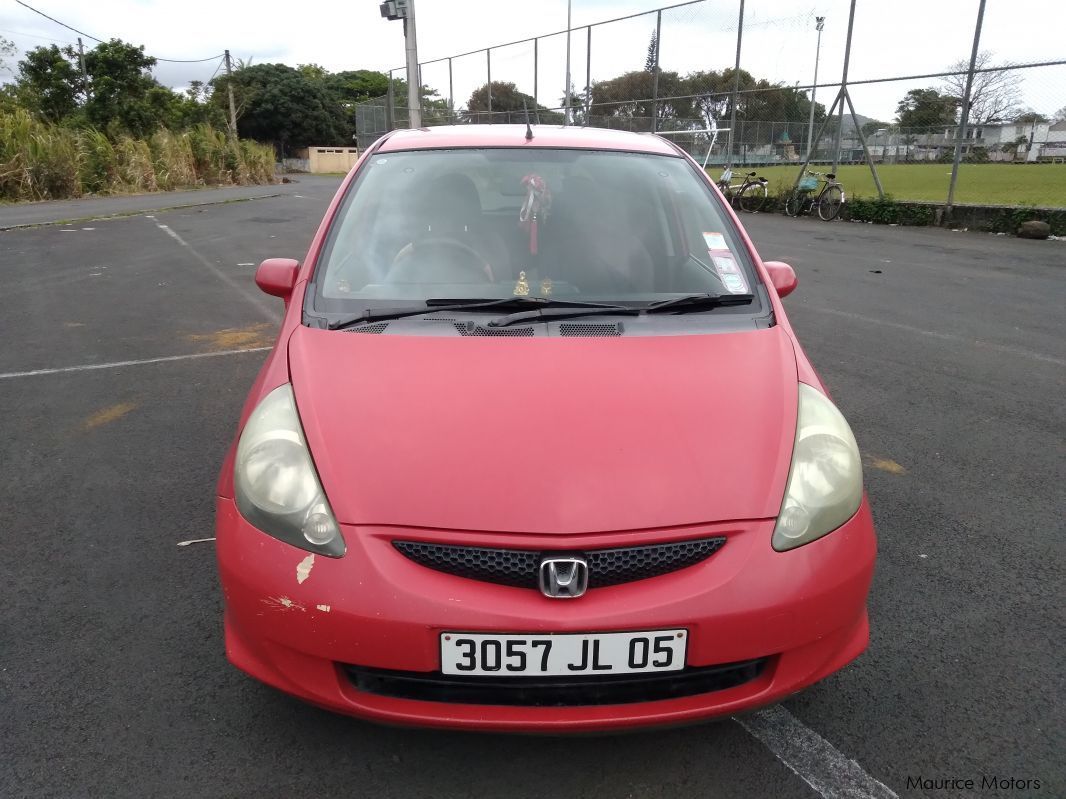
(674, 71)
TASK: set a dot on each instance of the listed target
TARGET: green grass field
(1041, 185)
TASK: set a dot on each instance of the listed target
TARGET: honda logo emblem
(564, 578)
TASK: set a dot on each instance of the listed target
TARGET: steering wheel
(408, 268)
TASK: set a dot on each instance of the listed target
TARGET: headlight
(275, 484)
(825, 482)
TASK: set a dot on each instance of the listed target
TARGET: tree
(925, 110)
(758, 101)
(352, 87)
(123, 96)
(48, 83)
(995, 96)
(629, 96)
(506, 97)
(312, 71)
(7, 51)
(1060, 115)
(873, 126)
(435, 108)
(1029, 116)
(577, 102)
(358, 85)
(281, 105)
(652, 60)
(1021, 142)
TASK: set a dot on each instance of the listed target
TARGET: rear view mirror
(277, 276)
(782, 276)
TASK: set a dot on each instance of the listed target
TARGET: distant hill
(849, 125)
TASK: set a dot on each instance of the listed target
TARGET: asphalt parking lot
(945, 351)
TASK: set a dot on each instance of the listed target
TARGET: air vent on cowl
(377, 327)
(590, 329)
(471, 329)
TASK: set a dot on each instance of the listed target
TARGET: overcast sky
(892, 38)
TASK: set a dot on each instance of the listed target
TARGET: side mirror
(277, 276)
(782, 276)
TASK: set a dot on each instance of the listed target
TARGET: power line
(35, 36)
(220, 63)
(101, 41)
(57, 22)
(189, 60)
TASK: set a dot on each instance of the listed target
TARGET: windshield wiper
(690, 302)
(445, 304)
(550, 314)
(697, 302)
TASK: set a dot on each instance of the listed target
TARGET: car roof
(548, 136)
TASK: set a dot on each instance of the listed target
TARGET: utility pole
(229, 91)
(405, 10)
(84, 76)
(819, 24)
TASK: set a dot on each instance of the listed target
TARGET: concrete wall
(332, 159)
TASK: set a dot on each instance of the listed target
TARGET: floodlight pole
(819, 24)
(414, 93)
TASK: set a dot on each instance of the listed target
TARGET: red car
(538, 450)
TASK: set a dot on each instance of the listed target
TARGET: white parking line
(811, 757)
(1036, 356)
(88, 367)
(253, 297)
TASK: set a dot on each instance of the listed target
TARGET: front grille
(553, 691)
(518, 567)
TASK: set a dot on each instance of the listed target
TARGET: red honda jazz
(537, 449)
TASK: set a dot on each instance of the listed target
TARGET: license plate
(562, 655)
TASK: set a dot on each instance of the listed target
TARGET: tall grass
(40, 161)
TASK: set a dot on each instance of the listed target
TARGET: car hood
(547, 435)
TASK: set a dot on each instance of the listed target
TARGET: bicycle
(748, 196)
(828, 201)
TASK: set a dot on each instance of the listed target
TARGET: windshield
(594, 226)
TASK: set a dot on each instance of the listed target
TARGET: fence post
(655, 74)
(536, 73)
(451, 90)
(736, 86)
(843, 91)
(390, 98)
(964, 118)
(566, 89)
(588, 76)
(488, 86)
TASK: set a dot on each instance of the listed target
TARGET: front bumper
(804, 611)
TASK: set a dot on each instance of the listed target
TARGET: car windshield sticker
(735, 283)
(725, 264)
(715, 241)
